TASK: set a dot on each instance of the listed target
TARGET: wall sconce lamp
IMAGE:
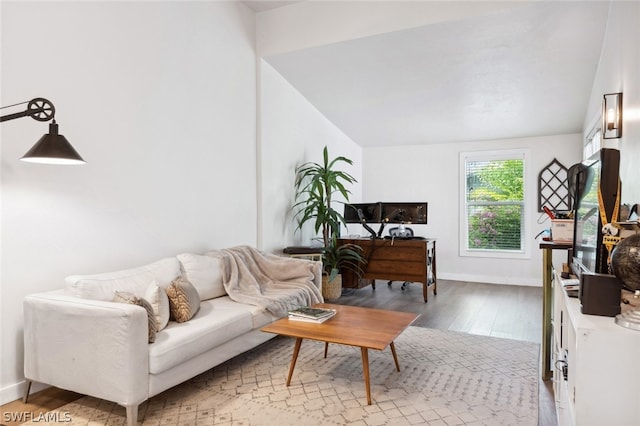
(612, 116)
(52, 148)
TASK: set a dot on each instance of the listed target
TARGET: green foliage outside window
(495, 202)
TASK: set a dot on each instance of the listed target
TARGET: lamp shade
(53, 148)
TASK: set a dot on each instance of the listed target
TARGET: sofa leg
(132, 414)
(25, 397)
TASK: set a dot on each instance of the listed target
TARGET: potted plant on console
(315, 187)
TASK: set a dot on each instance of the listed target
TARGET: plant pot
(331, 290)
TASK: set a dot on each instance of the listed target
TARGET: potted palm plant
(316, 184)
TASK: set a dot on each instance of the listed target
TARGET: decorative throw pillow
(184, 300)
(135, 280)
(204, 273)
(132, 299)
(159, 301)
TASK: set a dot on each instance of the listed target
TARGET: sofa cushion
(259, 316)
(135, 280)
(132, 299)
(204, 273)
(209, 328)
(159, 301)
(184, 300)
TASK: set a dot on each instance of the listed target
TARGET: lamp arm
(363, 221)
(388, 219)
(15, 115)
(39, 109)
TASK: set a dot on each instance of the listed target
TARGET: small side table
(304, 252)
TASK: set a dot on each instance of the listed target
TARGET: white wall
(159, 98)
(430, 173)
(619, 71)
(293, 132)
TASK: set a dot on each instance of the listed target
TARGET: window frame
(593, 142)
(525, 227)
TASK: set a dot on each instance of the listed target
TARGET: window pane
(495, 180)
(495, 227)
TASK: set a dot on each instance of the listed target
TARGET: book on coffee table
(309, 314)
(311, 320)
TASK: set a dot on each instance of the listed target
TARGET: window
(492, 188)
(593, 143)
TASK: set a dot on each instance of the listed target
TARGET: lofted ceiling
(263, 5)
(520, 72)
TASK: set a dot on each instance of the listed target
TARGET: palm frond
(315, 186)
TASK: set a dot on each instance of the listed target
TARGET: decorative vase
(331, 290)
(625, 261)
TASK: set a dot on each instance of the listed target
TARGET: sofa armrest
(91, 347)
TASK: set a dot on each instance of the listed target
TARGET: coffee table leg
(395, 356)
(365, 370)
(296, 350)
(326, 348)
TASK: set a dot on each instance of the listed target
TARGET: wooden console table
(411, 260)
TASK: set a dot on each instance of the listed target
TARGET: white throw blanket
(275, 283)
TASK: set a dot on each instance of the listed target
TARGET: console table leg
(433, 270)
(296, 350)
(395, 356)
(547, 271)
(365, 370)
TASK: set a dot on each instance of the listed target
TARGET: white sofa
(80, 340)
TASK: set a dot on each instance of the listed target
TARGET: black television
(596, 192)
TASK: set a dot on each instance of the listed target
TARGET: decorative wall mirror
(553, 188)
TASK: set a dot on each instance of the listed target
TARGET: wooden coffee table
(354, 326)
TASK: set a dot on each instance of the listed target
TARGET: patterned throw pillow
(132, 299)
(184, 300)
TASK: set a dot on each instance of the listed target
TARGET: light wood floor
(512, 312)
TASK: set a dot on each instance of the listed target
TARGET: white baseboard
(16, 391)
(492, 279)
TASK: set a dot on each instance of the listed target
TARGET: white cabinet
(602, 359)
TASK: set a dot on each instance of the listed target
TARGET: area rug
(446, 378)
